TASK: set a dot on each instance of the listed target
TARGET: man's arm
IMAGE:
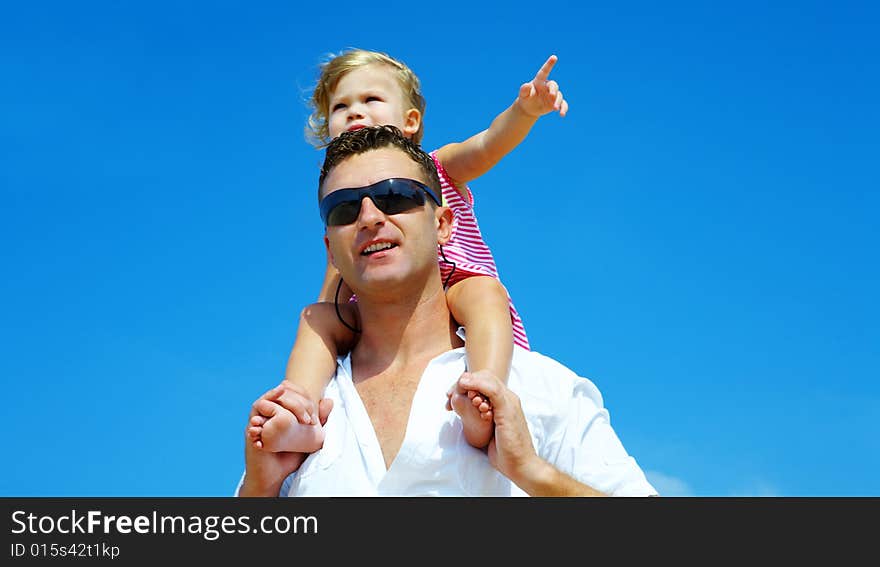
(478, 154)
(547, 480)
(265, 470)
(511, 450)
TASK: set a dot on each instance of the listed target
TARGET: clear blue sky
(699, 236)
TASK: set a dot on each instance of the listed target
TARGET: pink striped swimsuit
(467, 248)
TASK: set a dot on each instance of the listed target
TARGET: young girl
(365, 88)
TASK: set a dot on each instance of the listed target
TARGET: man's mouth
(377, 247)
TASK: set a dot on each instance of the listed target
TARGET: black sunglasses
(391, 196)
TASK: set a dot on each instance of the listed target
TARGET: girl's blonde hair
(336, 67)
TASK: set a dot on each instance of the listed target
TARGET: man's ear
(444, 217)
(412, 121)
(329, 252)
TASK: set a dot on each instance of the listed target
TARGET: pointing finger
(545, 69)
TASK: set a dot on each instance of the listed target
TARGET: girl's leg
(312, 362)
(481, 305)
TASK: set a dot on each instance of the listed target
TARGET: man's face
(379, 251)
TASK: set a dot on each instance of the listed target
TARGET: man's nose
(370, 214)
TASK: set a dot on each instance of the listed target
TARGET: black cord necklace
(336, 305)
(452, 271)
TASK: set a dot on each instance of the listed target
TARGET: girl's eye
(373, 99)
(337, 106)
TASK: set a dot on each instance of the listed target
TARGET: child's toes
(479, 400)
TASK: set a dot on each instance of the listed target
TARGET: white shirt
(569, 426)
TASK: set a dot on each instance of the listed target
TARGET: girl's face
(370, 96)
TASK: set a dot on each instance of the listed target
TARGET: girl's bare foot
(475, 410)
(277, 429)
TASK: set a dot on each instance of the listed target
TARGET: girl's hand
(540, 95)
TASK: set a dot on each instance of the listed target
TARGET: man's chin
(379, 284)
(384, 282)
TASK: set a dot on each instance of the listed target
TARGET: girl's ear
(412, 121)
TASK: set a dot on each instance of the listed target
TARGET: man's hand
(265, 470)
(540, 95)
(511, 450)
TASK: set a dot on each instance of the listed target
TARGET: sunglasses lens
(344, 213)
(394, 203)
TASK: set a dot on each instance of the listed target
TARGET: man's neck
(399, 333)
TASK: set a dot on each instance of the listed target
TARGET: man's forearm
(543, 479)
(252, 489)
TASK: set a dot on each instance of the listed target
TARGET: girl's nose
(355, 111)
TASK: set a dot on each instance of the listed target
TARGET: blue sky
(698, 236)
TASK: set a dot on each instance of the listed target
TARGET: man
(387, 430)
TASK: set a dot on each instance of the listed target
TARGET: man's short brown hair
(363, 140)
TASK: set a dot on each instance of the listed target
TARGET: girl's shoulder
(453, 193)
